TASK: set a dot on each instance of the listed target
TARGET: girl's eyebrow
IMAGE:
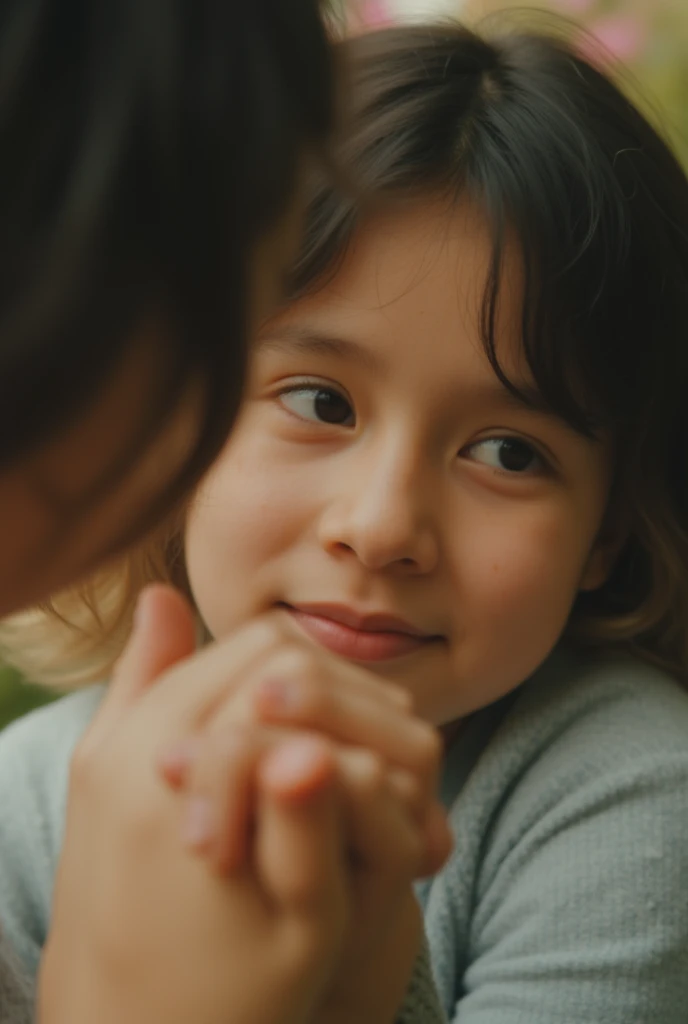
(292, 338)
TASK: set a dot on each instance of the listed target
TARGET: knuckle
(372, 771)
(428, 748)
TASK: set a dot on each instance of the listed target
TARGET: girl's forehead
(419, 271)
(424, 243)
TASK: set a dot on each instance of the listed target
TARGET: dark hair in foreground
(145, 146)
(558, 158)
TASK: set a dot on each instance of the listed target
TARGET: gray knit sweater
(566, 898)
(16, 995)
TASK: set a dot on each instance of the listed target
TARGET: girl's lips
(355, 643)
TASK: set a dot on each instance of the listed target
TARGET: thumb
(164, 633)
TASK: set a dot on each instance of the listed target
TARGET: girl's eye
(507, 454)
(319, 404)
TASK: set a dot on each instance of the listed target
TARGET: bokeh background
(647, 37)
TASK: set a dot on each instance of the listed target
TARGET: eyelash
(312, 388)
(541, 468)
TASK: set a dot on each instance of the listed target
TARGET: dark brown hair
(145, 146)
(555, 154)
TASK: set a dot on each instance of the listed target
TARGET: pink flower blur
(622, 35)
(374, 13)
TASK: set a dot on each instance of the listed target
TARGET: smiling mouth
(376, 637)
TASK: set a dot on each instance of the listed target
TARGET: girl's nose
(386, 522)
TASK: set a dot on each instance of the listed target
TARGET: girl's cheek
(515, 561)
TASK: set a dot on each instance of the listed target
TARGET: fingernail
(175, 761)
(278, 695)
(198, 824)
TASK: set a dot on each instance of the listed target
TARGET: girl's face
(387, 494)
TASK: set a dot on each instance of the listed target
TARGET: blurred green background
(650, 37)
(17, 697)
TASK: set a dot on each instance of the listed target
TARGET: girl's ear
(598, 567)
(604, 553)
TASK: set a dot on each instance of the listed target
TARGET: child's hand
(395, 829)
(288, 682)
(141, 930)
(123, 838)
(382, 847)
(171, 943)
(385, 851)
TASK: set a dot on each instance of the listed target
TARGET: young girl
(460, 463)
